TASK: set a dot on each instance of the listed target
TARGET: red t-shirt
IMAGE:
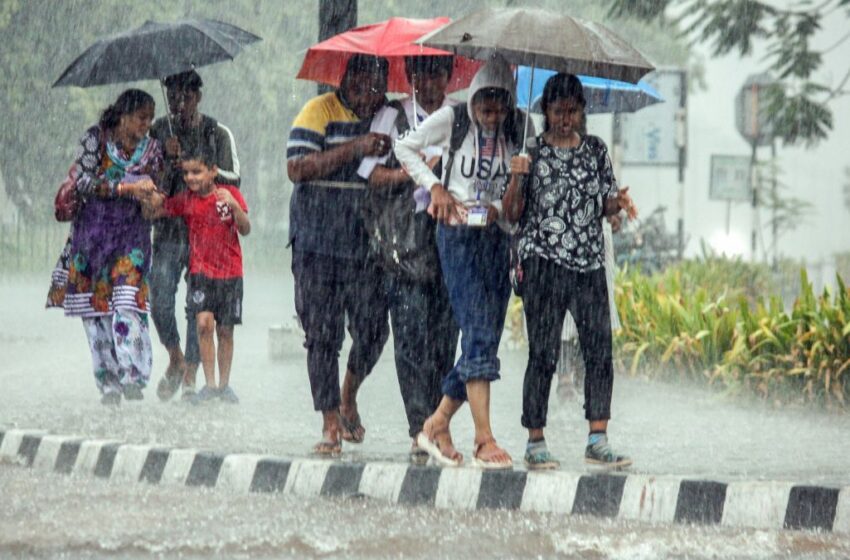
(214, 249)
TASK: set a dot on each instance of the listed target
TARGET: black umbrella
(154, 51)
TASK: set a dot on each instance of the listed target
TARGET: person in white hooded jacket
(474, 244)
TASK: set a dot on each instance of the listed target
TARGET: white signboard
(730, 178)
(649, 135)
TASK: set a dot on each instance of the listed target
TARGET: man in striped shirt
(187, 131)
(334, 275)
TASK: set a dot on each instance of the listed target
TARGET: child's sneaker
(600, 453)
(228, 395)
(206, 394)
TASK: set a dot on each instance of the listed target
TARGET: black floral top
(564, 204)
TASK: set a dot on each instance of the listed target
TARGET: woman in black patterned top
(560, 199)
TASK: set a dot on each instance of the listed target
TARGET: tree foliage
(799, 106)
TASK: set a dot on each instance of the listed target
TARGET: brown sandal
(490, 464)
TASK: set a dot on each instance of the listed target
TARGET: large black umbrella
(154, 51)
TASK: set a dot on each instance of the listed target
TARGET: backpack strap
(401, 123)
(401, 126)
(460, 127)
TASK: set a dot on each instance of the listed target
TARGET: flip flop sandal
(486, 464)
(327, 448)
(351, 427)
(433, 449)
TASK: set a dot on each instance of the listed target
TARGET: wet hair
(428, 64)
(492, 94)
(562, 86)
(185, 81)
(365, 64)
(201, 153)
(128, 102)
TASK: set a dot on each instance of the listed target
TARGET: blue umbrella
(602, 95)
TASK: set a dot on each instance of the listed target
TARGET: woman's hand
(443, 206)
(521, 164)
(626, 203)
(139, 190)
(615, 222)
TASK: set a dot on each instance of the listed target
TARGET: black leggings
(549, 291)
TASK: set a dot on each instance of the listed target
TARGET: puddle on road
(51, 516)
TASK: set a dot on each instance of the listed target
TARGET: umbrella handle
(167, 112)
(524, 150)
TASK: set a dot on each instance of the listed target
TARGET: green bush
(708, 320)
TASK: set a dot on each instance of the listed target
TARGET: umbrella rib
(192, 24)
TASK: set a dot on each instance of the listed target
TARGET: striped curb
(653, 499)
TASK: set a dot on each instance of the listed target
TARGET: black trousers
(327, 289)
(425, 342)
(549, 291)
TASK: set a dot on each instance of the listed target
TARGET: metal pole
(754, 202)
(528, 109)
(335, 16)
(167, 108)
(616, 145)
(682, 142)
(775, 194)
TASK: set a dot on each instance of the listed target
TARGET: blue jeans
(475, 265)
(170, 258)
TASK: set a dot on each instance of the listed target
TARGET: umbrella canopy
(542, 39)
(392, 39)
(155, 51)
(602, 95)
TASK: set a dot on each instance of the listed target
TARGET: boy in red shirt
(215, 215)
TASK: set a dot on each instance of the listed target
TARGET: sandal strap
(479, 445)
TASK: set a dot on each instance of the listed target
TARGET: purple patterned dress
(110, 249)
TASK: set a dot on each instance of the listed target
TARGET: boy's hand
(223, 195)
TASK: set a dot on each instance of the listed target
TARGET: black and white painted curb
(653, 499)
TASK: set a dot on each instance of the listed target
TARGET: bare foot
(331, 443)
(488, 455)
(436, 429)
(352, 428)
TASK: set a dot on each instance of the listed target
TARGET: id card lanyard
(477, 214)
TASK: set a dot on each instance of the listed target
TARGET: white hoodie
(468, 173)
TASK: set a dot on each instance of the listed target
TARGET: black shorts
(222, 297)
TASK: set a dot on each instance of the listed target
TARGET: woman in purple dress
(110, 248)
